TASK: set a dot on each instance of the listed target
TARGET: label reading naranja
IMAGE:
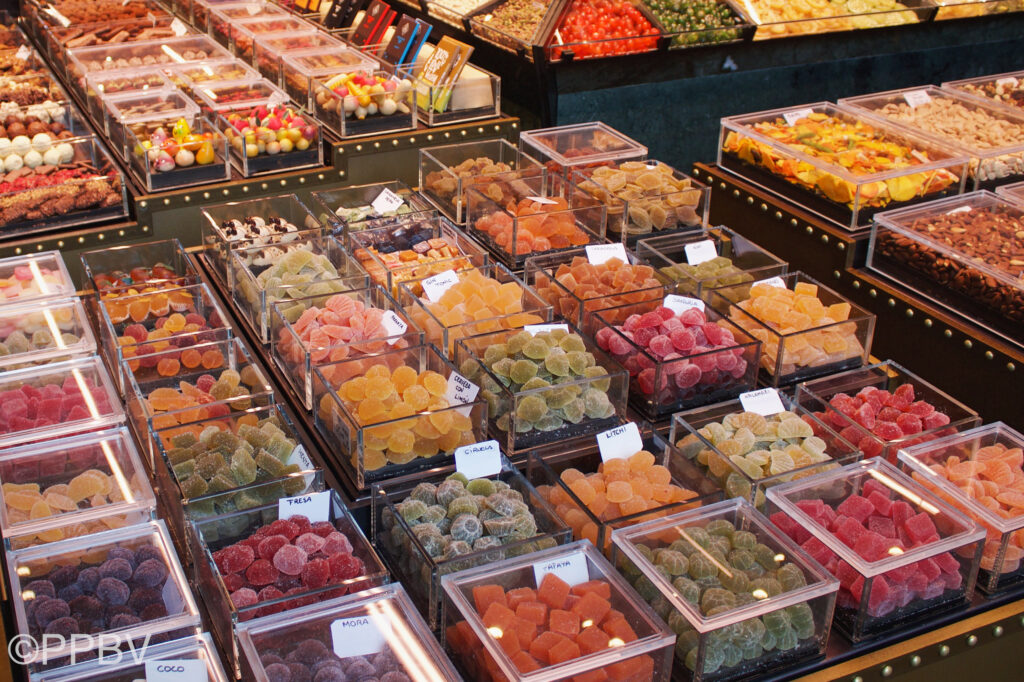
(793, 116)
(700, 252)
(314, 506)
(572, 568)
(461, 391)
(764, 402)
(360, 636)
(180, 670)
(599, 253)
(386, 202)
(434, 287)
(620, 442)
(480, 460)
(394, 326)
(916, 98)
(680, 304)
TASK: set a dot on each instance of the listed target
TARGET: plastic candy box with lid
(134, 269)
(35, 277)
(41, 333)
(569, 148)
(364, 102)
(365, 207)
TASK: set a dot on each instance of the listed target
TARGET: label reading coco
(460, 391)
(700, 252)
(393, 325)
(178, 27)
(680, 304)
(571, 568)
(793, 116)
(600, 253)
(434, 287)
(300, 457)
(916, 98)
(776, 282)
(183, 670)
(620, 442)
(386, 202)
(360, 636)
(314, 506)
(541, 328)
(479, 460)
(541, 200)
(764, 402)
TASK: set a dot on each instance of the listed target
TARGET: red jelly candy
(261, 572)
(234, 559)
(268, 546)
(316, 573)
(290, 559)
(345, 567)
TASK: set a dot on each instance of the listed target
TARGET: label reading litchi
(314, 506)
(792, 117)
(700, 252)
(360, 636)
(461, 391)
(620, 442)
(394, 326)
(572, 568)
(479, 460)
(434, 287)
(680, 304)
(386, 202)
(599, 253)
(179, 670)
(764, 402)
(916, 98)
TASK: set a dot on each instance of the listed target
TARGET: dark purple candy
(86, 606)
(122, 553)
(278, 672)
(88, 579)
(394, 676)
(331, 662)
(51, 610)
(147, 552)
(118, 568)
(270, 659)
(41, 588)
(153, 611)
(360, 669)
(331, 673)
(143, 597)
(69, 592)
(63, 576)
(300, 673)
(65, 627)
(124, 620)
(112, 611)
(112, 591)
(150, 573)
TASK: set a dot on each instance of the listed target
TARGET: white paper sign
(172, 599)
(182, 670)
(916, 98)
(23, 53)
(793, 116)
(253, 9)
(1010, 80)
(699, 252)
(620, 442)
(277, 99)
(360, 636)
(179, 27)
(599, 253)
(764, 402)
(314, 506)
(680, 304)
(393, 325)
(386, 202)
(63, 20)
(460, 391)
(777, 282)
(540, 200)
(541, 328)
(300, 457)
(479, 460)
(962, 209)
(572, 568)
(434, 287)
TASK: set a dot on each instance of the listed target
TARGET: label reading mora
(572, 568)
(386, 202)
(620, 442)
(314, 506)
(700, 252)
(176, 670)
(434, 287)
(599, 253)
(360, 636)
(479, 460)
(765, 402)
(394, 326)
(461, 390)
(679, 304)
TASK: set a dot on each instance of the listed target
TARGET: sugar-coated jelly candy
(596, 287)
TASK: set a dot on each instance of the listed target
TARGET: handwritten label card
(479, 460)
(572, 568)
(360, 636)
(764, 402)
(394, 326)
(386, 202)
(434, 287)
(461, 390)
(600, 253)
(620, 442)
(699, 252)
(314, 506)
(182, 670)
(679, 304)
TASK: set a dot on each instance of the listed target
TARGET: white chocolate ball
(33, 159)
(67, 152)
(41, 142)
(52, 157)
(21, 145)
(13, 163)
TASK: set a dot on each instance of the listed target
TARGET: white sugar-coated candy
(21, 145)
(5, 147)
(67, 152)
(13, 163)
(52, 157)
(41, 142)
(33, 159)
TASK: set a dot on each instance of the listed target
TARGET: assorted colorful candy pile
(547, 625)
(299, 272)
(361, 94)
(876, 527)
(193, 402)
(149, 307)
(408, 252)
(288, 557)
(269, 130)
(34, 406)
(410, 407)
(619, 487)
(179, 148)
(33, 331)
(719, 568)
(613, 282)
(136, 277)
(23, 283)
(531, 226)
(601, 28)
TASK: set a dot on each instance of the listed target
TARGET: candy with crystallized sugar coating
(529, 227)
(599, 287)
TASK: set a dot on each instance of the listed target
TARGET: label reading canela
(360, 636)
(793, 116)
(599, 253)
(765, 402)
(479, 460)
(700, 252)
(620, 442)
(394, 326)
(461, 391)
(182, 670)
(434, 287)
(386, 202)
(680, 304)
(572, 568)
(916, 98)
(314, 506)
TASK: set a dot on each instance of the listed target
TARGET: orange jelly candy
(530, 226)
(599, 287)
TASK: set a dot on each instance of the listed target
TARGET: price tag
(962, 209)
(571, 568)
(764, 402)
(53, 12)
(776, 282)
(181, 670)
(916, 98)
(179, 27)
(1011, 81)
(461, 391)
(599, 253)
(680, 304)
(793, 116)
(434, 287)
(386, 202)
(360, 636)
(541, 200)
(172, 599)
(620, 442)
(393, 325)
(253, 9)
(300, 457)
(277, 99)
(479, 460)
(700, 252)
(23, 53)
(314, 506)
(541, 328)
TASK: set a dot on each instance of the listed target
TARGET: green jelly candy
(221, 390)
(412, 510)
(435, 514)
(495, 352)
(501, 526)
(466, 528)
(720, 527)
(515, 343)
(596, 404)
(735, 581)
(194, 486)
(184, 440)
(486, 542)
(248, 499)
(449, 490)
(701, 567)
(674, 562)
(765, 585)
(557, 362)
(293, 486)
(572, 343)
(786, 639)
(280, 447)
(791, 577)
(208, 465)
(435, 544)
(465, 504)
(272, 465)
(688, 590)
(184, 470)
(458, 476)
(536, 348)
(765, 556)
(180, 455)
(253, 436)
(243, 467)
(522, 371)
(717, 598)
(531, 408)
(221, 483)
(549, 422)
(481, 486)
(535, 383)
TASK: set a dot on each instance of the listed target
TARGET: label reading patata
(479, 460)
(916, 98)
(541, 328)
(541, 200)
(360, 636)
(461, 391)
(394, 326)
(434, 287)
(180, 670)
(572, 568)
(680, 304)
(620, 442)
(314, 506)
(765, 402)
(793, 116)
(700, 252)
(179, 27)
(599, 253)
(386, 202)
(776, 282)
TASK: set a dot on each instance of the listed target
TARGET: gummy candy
(408, 252)
(579, 288)
(529, 227)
